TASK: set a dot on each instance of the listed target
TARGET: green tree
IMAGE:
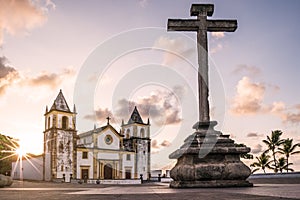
(288, 149)
(7, 146)
(273, 143)
(263, 162)
(283, 165)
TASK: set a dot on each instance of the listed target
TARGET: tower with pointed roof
(137, 138)
(60, 141)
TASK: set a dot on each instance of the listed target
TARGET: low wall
(108, 182)
(272, 178)
(116, 182)
(275, 175)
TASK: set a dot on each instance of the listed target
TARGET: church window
(61, 147)
(142, 133)
(128, 132)
(64, 122)
(62, 168)
(127, 136)
(84, 155)
(144, 152)
(48, 122)
(128, 156)
(108, 139)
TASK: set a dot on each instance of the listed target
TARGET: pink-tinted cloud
(249, 100)
(7, 75)
(249, 97)
(175, 49)
(161, 106)
(165, 143)
(218, 35)
(100, 115)
(216, 48)
(154, 144)
(287, 115)
(19, 16)
(52, 80)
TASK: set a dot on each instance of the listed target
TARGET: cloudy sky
(109, 56)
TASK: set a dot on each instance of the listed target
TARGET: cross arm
(183, 25)
(221, 25)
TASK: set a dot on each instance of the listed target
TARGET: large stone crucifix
(202, 25)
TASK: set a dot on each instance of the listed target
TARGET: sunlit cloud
(161, 106)
(8, 75)
(11, 78)
(49, 79)
(216, 48)
(100, 115)
(249, 97)
(20, 16)
(218, 35)
(249, 100)
(175, 48)
(165, 143)
(156, 146)
(287, 115)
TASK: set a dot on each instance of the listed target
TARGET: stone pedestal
(209, 159)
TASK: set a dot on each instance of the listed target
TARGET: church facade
(101, 153)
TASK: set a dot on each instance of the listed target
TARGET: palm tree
(273, 142)
(283, 164)
(263, 162)
(288, 149)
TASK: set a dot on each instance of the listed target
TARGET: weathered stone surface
(219, 167)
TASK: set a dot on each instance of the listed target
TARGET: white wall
(47, 167)
(32, 169)
(85, 163)
(128, 164)
(103, 145)
(108, 156)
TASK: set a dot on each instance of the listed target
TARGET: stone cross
(202, 25)
(108, 118)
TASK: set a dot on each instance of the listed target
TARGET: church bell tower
(60, 141)
(137, 139)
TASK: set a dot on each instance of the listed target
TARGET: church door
(108, 171)
(128, 174)
(84, 174)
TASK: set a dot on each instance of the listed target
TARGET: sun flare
(20, 152)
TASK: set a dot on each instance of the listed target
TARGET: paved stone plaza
(279, 189)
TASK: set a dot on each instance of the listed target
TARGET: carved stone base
(209, 159)
(210, 184)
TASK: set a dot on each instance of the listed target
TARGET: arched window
(64, 122)
(127, 134)
(142, 133)
(48, 122)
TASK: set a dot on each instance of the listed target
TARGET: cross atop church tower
(108, 118)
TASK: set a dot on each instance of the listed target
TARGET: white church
(99, 154)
